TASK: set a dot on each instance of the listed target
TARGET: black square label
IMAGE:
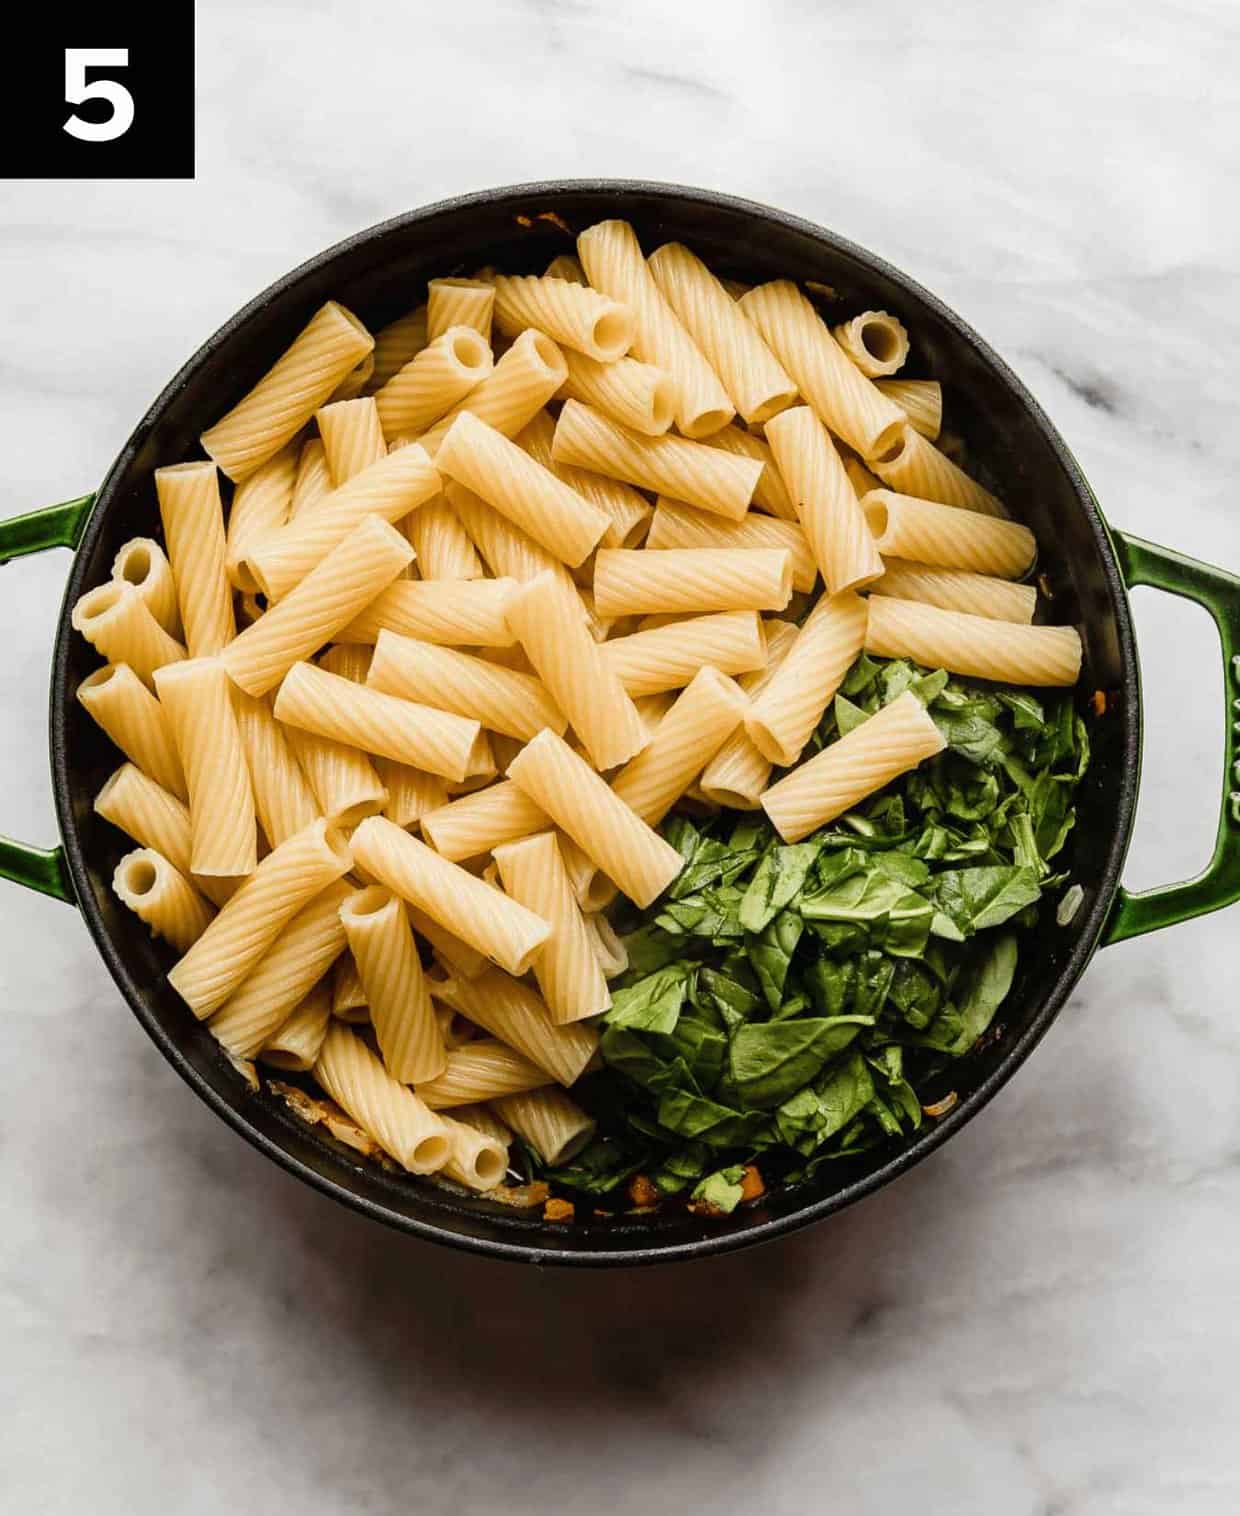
(101, 92)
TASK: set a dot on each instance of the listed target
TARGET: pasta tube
(296, 1044)
(313, 479)
(608, 831)
(532, 871)
(914, 466)
(612, 258)
(260, 503)
(162, 897)
(510, 552)
(115, 620)
(973, 645)
(481, 1070)
(477, 1159)
(692, 579)
(483, 917)
(481, 822)
(352, 438)
(548, 619)
(360, 716)
(675, 525)
(739, 771)
(350, 576)
(517, 486)
(499, 698)
(921, 400)
(381, 1105)
(448, 612)
(345, 783)
(283, 800)
(610, 951)
(391, 488)
(709, 710)
(708, 477)
(896, 739)
(254, 918)
(512, 1012)
(412, 793)
(197, 699)
(302, 953)
(770, 493)
(628, 508)
(355, 381)
(520, 384)
(442, 545)
(464, 961)
(572, 314)
(875, 341)
(948, 536)
(155, 819)
(333, 342)
(783, 716)
(565, 267)
(135, 721)
(667, 657)
(825, 501)
(348, 996)
(957, 590)
(428, 387)
(142, 563)
(635, 394)
(554, 1125)
(459, 302)
(841, 396)
(382, 945)
(396, 344)
(757, 383)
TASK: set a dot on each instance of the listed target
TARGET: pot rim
(927, 1142)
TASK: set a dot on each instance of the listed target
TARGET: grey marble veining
(1041, 1320)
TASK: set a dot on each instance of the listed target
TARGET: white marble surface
(1041, 1321)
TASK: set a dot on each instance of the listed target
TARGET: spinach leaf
(770, 952)
(722, 1189)
(808, 1118)
(975, 899)
(777, 881)
(696, 1116)
(653, 1003)
(771, 1062)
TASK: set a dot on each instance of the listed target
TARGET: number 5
(79, 89)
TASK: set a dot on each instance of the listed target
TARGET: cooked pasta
(464, 961)
(450, 612)
(499, 698)
(616, 840)
(875, 341)
(635, 394)
(609, 949)
(313, 479)
(770, 493)
(476, 1159)
(667, 657)
(914, 466)
(568, 973)
(349, 578)
(481, 822)
(782, 717)
(613, 261)
(115, 619)
(142, 562)
(412, 793)
(161, 896)
(396, 344)
(508, 551)
(355, 381)
(459, 302)
(345, 783)
(524, 492)
(393, 1115)
(691, 580)
(739, 771)
(921, 400)
(547, 618)
(305, 950)
(708, 477)
(255, 916)
(709, 710)
(571, 314)
(135, 721)
(948, 536)
(957, 590)
(156, 819)
(683, 526)
(348, 996)
(839, 393)
(296, 1043)
(283, 799)
(443, 546)
(973, 645)
(565, 267)
(383, 948)
(332, 343)
(518, 387)
(352, 438)
(514, 1013)
(756, 382)
(481, 1070)
(628, 508)
(860, 477)
(361, 716)
(197, 698)
(398, 483)
(482, 916)
(431, 384)
(554, 1125)
(260, 503)
(888, 744)
(825, 501)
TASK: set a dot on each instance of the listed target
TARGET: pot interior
(382, 273)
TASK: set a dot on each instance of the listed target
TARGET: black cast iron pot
(380, 274)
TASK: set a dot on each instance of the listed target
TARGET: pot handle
(1218, 884)
(41, 869)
